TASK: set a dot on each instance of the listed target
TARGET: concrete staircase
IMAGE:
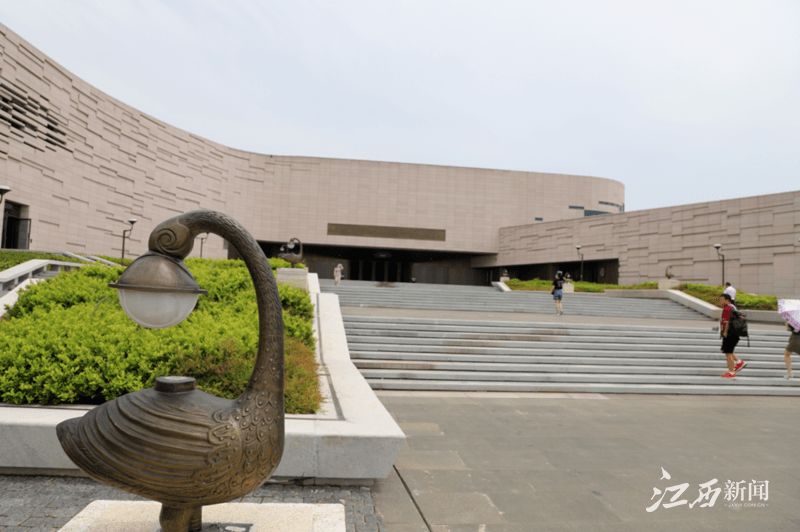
(489, 299)
(465, 355)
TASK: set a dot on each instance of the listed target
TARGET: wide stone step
(358, 334)
(731, 388)
(476, 346)
(532, 361)
(608, 378)
(425, 323)
(707, 369)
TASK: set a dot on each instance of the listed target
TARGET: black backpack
(738, 325)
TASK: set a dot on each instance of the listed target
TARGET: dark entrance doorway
(16, 229)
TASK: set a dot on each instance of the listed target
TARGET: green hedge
(707, 293)
(9, 259)
(744, 301)
(67, 340)
(539, 284)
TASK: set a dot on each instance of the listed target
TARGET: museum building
(80, 164)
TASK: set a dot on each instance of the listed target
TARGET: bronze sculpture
(292, 258)
(668, 272)
(173, 443)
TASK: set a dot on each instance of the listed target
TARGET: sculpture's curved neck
(175, 237)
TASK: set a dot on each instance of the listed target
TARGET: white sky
(683, 101)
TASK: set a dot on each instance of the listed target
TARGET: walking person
(558, 290)
(792, 347)
(729, 339)
(337, 274)
(731, 291)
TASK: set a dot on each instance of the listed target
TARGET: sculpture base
(668, 284)
(297, 277)
(122, 516)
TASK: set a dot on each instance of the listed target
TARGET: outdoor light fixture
(3, 191)
(581, 254)
(202, 241)
(721, 257)
(173, 443)
(157, 291)
(125, 233)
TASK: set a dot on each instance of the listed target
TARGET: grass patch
(744, 301)
(539, 284)
(9, 259)
(67, 340)
(708, 293)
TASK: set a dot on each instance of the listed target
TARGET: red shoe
(740, 365)
(729, 375)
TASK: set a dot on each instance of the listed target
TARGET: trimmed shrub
(67, 339)
(9, 259)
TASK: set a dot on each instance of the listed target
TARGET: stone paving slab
(45, 504)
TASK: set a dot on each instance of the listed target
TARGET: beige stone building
(80, 164)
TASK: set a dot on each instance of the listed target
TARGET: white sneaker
(789, 375)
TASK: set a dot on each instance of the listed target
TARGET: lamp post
(721, 257)
(202, 241)
(581, 254)
(173, 443)
(125, 233)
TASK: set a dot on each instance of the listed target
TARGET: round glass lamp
(157, 291)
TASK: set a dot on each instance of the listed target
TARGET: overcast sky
(682, 101)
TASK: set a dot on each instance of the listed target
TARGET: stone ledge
(354, 439)
(712, 311)
(501, 286)
(141, 516)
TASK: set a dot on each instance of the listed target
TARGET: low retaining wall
(712, 311)
(353, 440)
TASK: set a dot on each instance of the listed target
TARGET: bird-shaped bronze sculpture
(292, 258)
(173, 443)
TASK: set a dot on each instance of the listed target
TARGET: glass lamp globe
(157, 291)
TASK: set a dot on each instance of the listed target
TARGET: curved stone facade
(80, 163)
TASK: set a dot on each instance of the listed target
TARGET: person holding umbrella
(789, 309)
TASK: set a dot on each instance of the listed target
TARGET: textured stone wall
(84, 163)
(759, 237)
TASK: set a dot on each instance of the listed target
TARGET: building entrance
(16, 229)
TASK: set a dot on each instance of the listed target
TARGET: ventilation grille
(31, 117)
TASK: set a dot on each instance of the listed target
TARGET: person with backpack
(730, 336)
(792, 347)
(557, 291)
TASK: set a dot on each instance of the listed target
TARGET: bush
(67, 339)
(539, 284)
(744, 301)
(9, 259)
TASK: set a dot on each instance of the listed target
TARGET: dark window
(594, 213)
(617, 205)
(539, 219)
(575, 207)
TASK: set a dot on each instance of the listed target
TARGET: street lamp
(581, 254)
(202, 241)
(125, 233)
(173, 443)
(721, 257)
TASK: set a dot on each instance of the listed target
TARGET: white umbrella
(789, 309)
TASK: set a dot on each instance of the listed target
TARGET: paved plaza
(586, 462)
